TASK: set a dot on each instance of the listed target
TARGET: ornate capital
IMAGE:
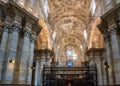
(112, 30)
(106, 37)
(32, 38)
(15, 27)
(27, 32)
(5, 27)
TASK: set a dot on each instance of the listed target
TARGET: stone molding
(110, 18)
(44, 52)
(20, 15)
(96, 51)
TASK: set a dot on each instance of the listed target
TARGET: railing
(76, 76)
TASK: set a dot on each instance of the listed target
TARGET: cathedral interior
(59, 42)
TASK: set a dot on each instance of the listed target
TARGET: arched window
(71, 54)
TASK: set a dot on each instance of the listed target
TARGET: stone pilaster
(32, 43)
(37, 72)
(116, 53)
(101, 78)
(4, 42)
(25, 55)
(12, 50)
(40, 62)
(109, 59)
(96, 56)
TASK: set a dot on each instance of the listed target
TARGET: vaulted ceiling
(69, 19)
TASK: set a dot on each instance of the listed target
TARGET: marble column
(12, 50)
(4, 42)
(32, 43)
(109, 59)
(116, 53)
(23, 70)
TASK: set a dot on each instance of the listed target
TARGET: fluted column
(116, 53)
(4, 42)
(23, 70)
(109, 59)
(32, 43)
(12, 49)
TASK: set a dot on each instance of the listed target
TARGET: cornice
(11, 8)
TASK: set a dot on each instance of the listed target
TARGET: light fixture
(12, 60)
(50, 60)
(106, 65)
(32, 67)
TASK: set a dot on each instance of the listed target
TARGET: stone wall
(17, 44)
(109, 27)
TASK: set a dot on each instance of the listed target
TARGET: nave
(59, 42)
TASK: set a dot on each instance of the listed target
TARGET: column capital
(32, 38)
(112, 29)
(106, 36)
(5, 27)
(15, 27)
(27, 32)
